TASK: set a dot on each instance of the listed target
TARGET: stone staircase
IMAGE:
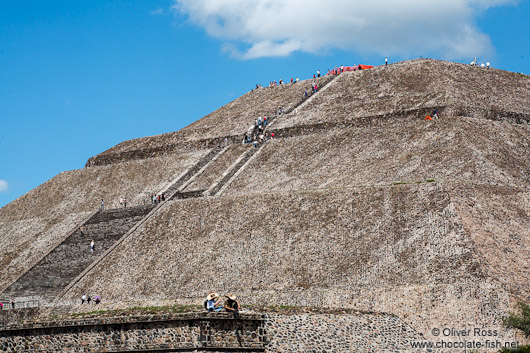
(72, 258)
(241, 162)
(53, 273)
(229, 174)
(181, 182)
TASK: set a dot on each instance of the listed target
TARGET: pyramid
(357, 202)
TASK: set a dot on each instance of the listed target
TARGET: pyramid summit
(357, 204)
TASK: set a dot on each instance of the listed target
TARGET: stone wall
(379, 333)
(182, 332)
(291, 330)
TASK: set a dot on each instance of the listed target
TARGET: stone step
(173, 189)
(234, 169)
(64, 263)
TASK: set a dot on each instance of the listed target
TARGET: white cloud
(3, 185)
(158, 11)
(261, 28)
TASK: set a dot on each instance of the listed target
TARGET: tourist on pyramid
(232, 305)
(92, 245)
(83, 298)
(212, 303)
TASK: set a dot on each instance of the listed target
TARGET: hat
(212, 295)
(230, 296)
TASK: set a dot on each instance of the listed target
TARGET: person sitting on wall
(212, 302)
(232, 305)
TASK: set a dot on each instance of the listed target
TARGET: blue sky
(78, 77)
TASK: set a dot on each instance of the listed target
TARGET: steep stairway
(53, 273)
(181, 182)
(231, 172)
(243, 160)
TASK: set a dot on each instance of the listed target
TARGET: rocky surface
(408, 150)
(416, 85)
(231, 121)
(216, 169)
(65, 262)
(25, 242)
(359, 203)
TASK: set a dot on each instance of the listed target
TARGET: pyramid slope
(419, 86)
(383, 153)
(401, 249)
(81, 190)
(32, 225)
(374, 237)
(232, 120)
(335, 211)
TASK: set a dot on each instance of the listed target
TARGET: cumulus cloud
(3, 185)
(261, 28)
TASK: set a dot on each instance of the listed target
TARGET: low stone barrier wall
(172, 332)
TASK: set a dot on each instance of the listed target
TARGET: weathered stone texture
(286, 246)
(81, 190)
(497, 220)
(25, 242)
(415, 85)
(406, 150)
(231, 121)
(53, 273)
(156, 332)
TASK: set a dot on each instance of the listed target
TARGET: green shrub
(520, 322)
(522, 349)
